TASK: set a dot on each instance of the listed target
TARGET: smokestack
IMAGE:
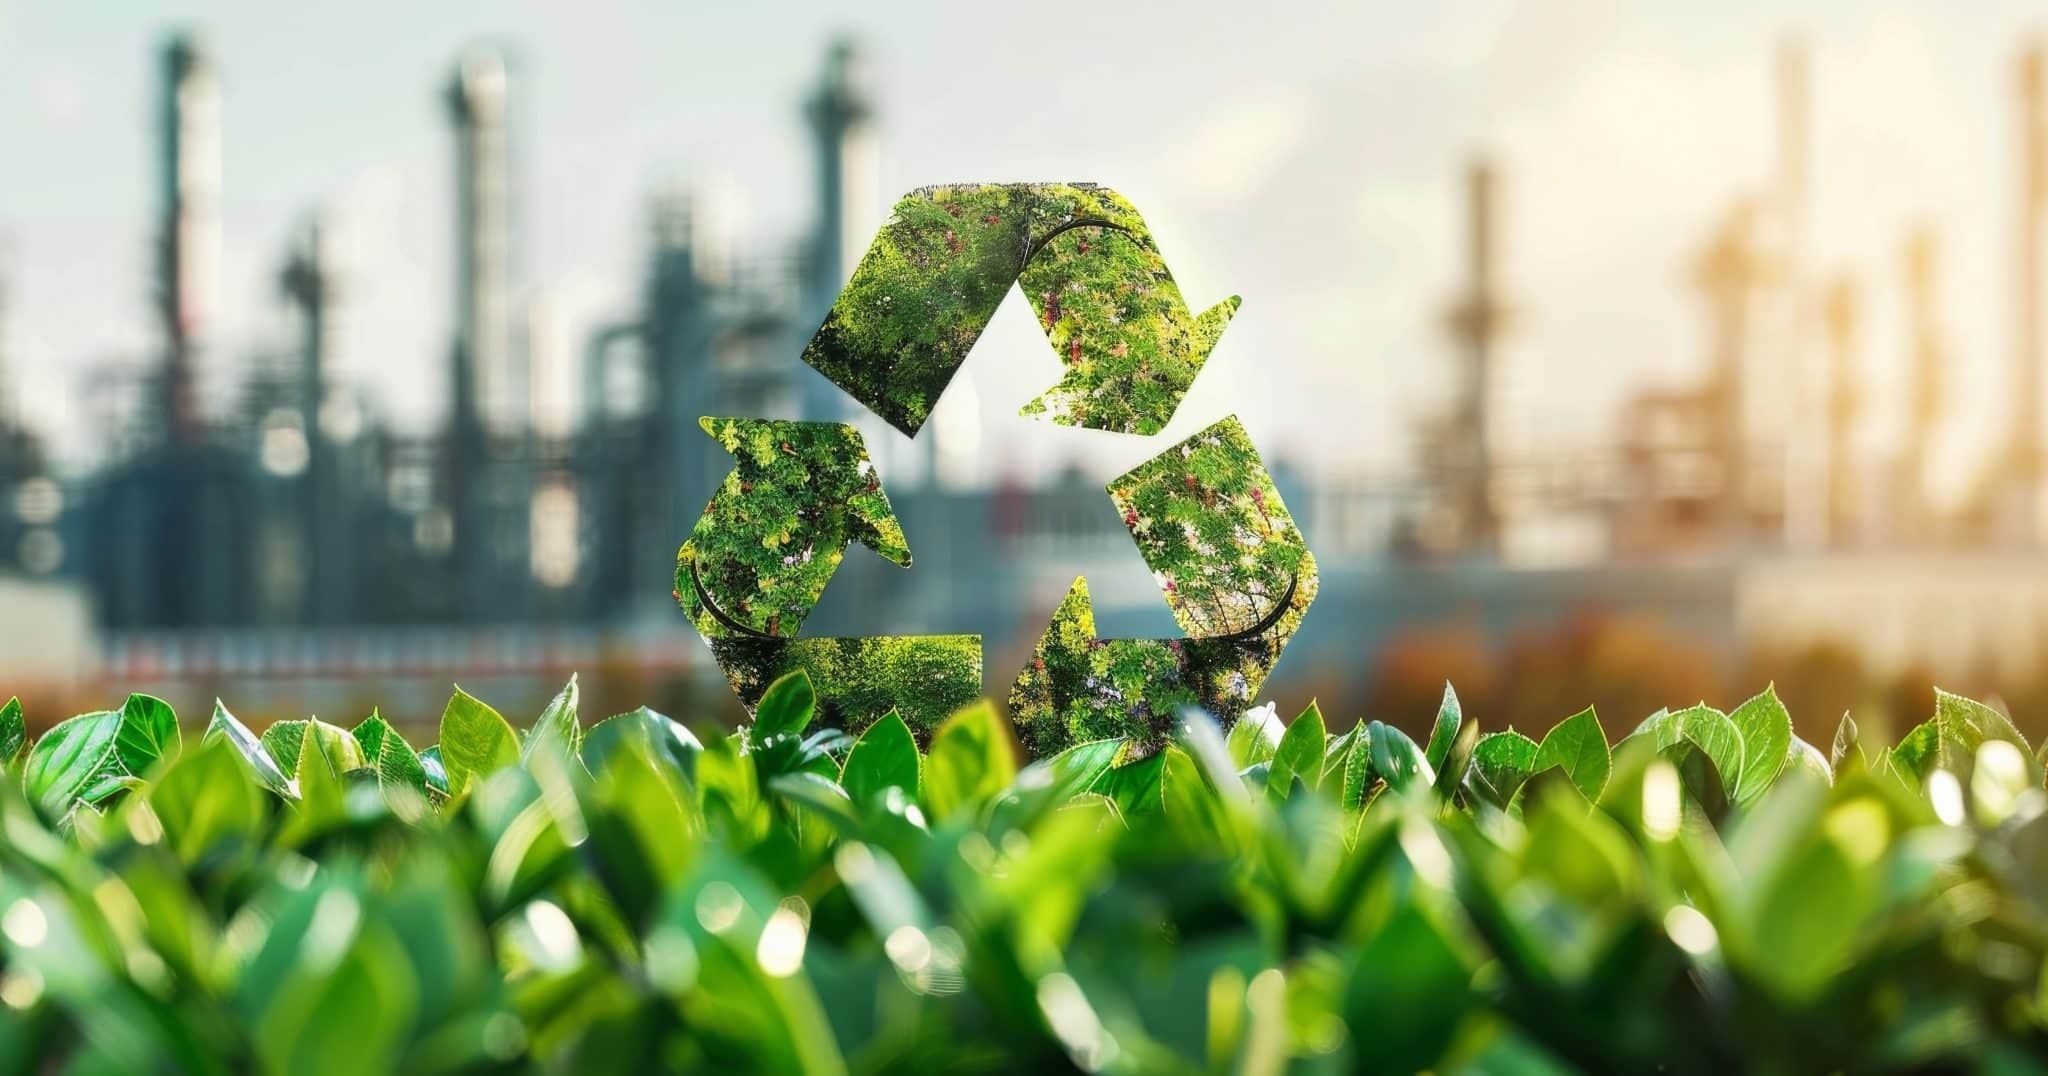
(1838, 313)
(309, 282)
(2025, 464)
(1923, 408)
(1476, 320)
(841, 112)
(1805, 496)
(188, 240)
(488, 393)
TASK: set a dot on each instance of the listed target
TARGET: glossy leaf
(70, 759)
(1578, 746)
(1766, 743)
(1450, 717)
(1254, 737)
(970, 763)
(1300, 754)
(1501, 762)
(474, 740)
(149, 733)
(557, 728)
(258, 761)
(13, 732)
(885, 756)
(786, 707)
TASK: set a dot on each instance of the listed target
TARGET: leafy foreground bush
(1709, 895)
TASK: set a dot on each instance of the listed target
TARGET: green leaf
(1501, 761)
(1337, 755)
(1578, 746)
(292, 742)
(1358, 771)
(255, 758)
(282, 741)
(1807, 757)
(1135, 787)
(787, 706)
(436, 770)
(350, 1017)
(70, 758)
(970, 762)
(396, 763)
(666, 741)
(1254, 737)
(818, 793)
(1050, 782)
(149, 733)
(1813, 909)
(1965, 724)
(1409, 986)
(1395, 758)
(13, 732)
(1714, 734)
(333, 744)
(884, 756)
(1766, 743)
(1300, 754)
(1450, 777)
(1450, 717)
(557, 727)
(327, 754)
(1916, 756)
(205, 798)
(475, 741)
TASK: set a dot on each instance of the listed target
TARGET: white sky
(1307, 157)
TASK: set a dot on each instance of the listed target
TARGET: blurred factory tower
(254, 515)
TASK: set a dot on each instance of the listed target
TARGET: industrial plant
(291, 535)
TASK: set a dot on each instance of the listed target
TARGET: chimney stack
(1476, 321)
(841, 112)
(2024, 465)
(1924, 404)
(188, 239)
(488, 394)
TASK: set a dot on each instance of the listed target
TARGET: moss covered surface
(940, 266)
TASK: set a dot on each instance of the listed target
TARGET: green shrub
(1709, 894)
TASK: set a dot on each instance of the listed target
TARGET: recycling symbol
(1233, 566)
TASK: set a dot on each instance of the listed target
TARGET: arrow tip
(1209, 327)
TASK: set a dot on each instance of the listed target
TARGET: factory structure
(293, 533)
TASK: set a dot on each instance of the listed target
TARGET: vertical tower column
(1844, 403)
(1912, 505)
(188, 237)
(1727, 273)
(308, 281)
(1804, 496)
(1476, 320)
(2024, 466)
(841, 113)
(488, 393)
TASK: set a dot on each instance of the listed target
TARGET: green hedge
(1709, 894)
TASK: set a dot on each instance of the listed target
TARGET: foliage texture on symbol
(1102, 293)
(923, 678)
(761, 555)
(776, 529)
(1235, 572)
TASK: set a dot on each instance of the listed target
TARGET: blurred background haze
(1607, 353)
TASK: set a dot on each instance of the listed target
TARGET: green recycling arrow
(759, 558)
(1236, 573)
(1204, 513)
(940, 266)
